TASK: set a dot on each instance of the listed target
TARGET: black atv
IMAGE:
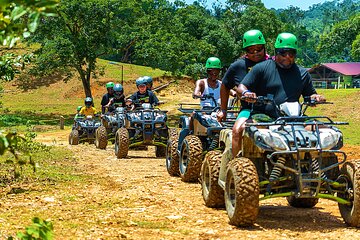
(144, 126)
(83, 130)
(294, 156)
(198, 135)
(110, 123)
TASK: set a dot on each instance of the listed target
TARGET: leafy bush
(40, 229)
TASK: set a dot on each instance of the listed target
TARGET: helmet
(148, 79)
(109, 85)
(140, 81)
(253, 37)
(88, 101)
(213, 62)
(118, 90)
(78, 108)
(286, 40)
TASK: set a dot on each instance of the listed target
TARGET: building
(336, 75)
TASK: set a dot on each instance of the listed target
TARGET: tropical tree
(342, 42)
(82, 32)
(18, 20)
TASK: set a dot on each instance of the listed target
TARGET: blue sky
(302, 4)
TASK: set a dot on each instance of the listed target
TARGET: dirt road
(153, 205)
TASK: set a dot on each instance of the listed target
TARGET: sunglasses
(286, 52)
(254, 50)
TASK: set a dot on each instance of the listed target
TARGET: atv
(294, 156)
(144, 126)
(83, 130)
(110, 123)
(198, 135)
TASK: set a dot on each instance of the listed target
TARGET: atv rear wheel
(160, 151)
(190, 158)
(172, 158)
(212, 193)
(242, 192)
(74, 137)
(351, 176)
(101, 137)
(121, 143)
(302, 202)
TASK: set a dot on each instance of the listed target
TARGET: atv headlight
(272, 139)
(329, 138)
(158, 125)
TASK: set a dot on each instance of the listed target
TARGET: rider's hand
(318, 98)
(221, 115)
(249, 96)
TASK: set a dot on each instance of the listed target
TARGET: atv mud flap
(226, 139)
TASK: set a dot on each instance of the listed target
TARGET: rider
(107, 96)
(282, 78)
(254, 46)
(78, 115)
(143, 95)
(88, 109)
(208, 89)
(118, 100)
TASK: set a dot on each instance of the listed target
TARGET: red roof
(346, 68)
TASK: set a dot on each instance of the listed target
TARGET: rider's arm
(199, 88)
(224, 96)
(153, 99)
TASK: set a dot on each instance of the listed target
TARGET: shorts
(244, 113)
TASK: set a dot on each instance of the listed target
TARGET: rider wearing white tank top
(212, 91)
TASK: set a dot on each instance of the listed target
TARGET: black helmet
(88, 102)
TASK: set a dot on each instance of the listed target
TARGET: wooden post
(62, 121)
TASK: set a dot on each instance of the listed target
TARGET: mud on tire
(121, 143)
(351, 176)
(212, 193)
(74, 137)
(101, 137)
(242, 192)
(172, 158)
(190, 159)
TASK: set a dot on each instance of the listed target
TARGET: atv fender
(225, 139)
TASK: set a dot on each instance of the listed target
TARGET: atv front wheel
(351, 177)
(121, 143)
(74, 137)
(242, 192)
(212, 193)
(190, 158)
(172, 158)
(302, 202)
(101, 137)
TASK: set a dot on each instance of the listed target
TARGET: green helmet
(79, 108)
(253, 37)
(213, 62)
(286, 40)
(110, 85)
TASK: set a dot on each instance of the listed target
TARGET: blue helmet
(118, 90)
(88, 101)
(141, 81)
(148, 79)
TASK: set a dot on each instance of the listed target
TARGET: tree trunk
(85, 79)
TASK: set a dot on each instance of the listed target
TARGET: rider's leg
(237, 133)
